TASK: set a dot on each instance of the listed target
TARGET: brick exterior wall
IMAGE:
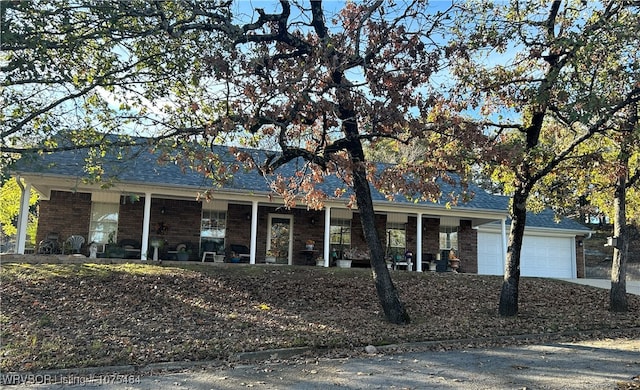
(69, 213)
(65, 213)
(183, 218)
(468, 247)
(130, 219)
(580, 256)
(431, 236)
(357, 236)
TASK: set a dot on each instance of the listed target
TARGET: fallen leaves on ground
(61, 316)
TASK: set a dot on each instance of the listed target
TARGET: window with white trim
(104, 222)
(396, 240)
(448, 238)
(213, 229)
(339, 236)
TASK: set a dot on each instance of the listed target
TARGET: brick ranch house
(150, 205)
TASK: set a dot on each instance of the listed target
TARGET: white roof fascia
(537, 231)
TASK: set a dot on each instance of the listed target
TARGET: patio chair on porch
(74, 243)
(404, 261)
(50, 245)
(209, 248)
(241, 251)
(131, 248)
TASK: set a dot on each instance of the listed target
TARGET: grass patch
(40, 272)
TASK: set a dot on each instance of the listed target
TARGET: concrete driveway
(633, 286)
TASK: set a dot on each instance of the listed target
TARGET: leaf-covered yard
(75, 315)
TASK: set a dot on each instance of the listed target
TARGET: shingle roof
(138, 165)
(546, 219)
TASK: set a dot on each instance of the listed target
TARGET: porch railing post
(145, 226)
(419, 243)
(23, 216)
(326, 250)
(254, 232)
(503, 228)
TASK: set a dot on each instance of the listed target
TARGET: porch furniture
(49, 245)
(173, 252)
(429, 261)
(309, 256)
(241, 252)
(182, 252)
(358, 257)
(442, 263)
(212, 254)
(74, 243)
(403, 261)
(454, 264)
(211, 248)
(131, 248)
(156, 243)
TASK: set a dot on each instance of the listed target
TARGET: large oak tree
(524, 65)
(605, 179)
(313, 82)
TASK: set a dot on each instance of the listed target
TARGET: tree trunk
(393, 308)
(509, 294)
(618, 294)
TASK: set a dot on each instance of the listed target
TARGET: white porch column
(503, 228)
(23, 216)
(254, 232)
(327, 236)
(419, 243)
(145, 226)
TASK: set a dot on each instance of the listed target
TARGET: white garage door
(490, 254)
(542, 256)
(546, 256)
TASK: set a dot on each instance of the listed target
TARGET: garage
(548, 256)
(544, 253)
(490, 259)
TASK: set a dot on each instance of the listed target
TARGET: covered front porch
(253, 221)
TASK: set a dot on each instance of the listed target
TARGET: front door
(280, 237)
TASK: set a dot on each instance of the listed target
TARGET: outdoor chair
(49, 245)
(403, 261)
(442, 264)
(241, 251)
(74, 243)
(208, 249)
(131, 248)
